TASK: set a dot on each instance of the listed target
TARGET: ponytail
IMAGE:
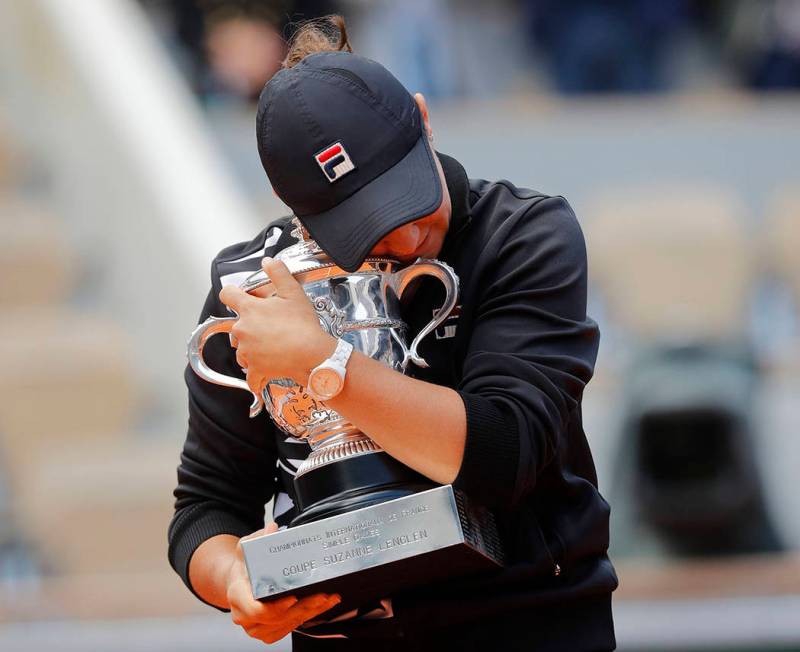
(328, 34)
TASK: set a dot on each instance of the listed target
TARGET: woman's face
(422, 238)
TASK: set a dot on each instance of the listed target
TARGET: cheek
(379, 249)
(436, 237)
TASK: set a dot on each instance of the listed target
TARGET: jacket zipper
(557, 567)
(554, 564)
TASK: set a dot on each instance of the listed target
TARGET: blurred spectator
(764, 40)
(414, 39)
(232, 47)
(243, 51)
(610, 46)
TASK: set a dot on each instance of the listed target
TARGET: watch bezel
(316, 373)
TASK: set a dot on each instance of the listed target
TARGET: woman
(497, 413)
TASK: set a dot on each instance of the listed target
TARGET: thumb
(284, 283)
(271, 527)
(234, 297)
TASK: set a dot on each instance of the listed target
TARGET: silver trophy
(361, 512)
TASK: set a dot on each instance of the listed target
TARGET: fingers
(311, 606)
(267, 633)
(256, 383)
(234, 297)
(271, 527)
(285, 284)
(281, 605)
(247, 611)
(281, 613)
(273, 633)
(305, 610)
(240, 359)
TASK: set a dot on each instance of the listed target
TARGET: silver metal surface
(336, 546)
(361, 307)
(342, 448)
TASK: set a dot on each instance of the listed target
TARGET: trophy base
(376, 551)
(369, 480)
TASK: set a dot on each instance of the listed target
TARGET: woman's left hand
(278, 336)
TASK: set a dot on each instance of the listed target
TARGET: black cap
(344, 146)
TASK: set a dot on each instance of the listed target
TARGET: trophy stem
(346, 443)
(353, 483)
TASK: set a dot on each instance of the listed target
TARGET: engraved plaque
(372, 552)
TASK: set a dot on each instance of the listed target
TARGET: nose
(403, 240)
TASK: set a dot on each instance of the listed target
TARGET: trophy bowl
(367, 524)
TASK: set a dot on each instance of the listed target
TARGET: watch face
(325, 383)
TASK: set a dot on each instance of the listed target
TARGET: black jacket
(519, 351)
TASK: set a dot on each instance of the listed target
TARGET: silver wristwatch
(326, 380)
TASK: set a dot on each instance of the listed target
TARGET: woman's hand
(272, 620)
(278, 336)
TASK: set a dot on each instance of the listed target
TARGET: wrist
(318, 350)
(212, 569)
(327, 379)
(227, 570)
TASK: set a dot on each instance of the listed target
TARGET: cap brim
(405, 192)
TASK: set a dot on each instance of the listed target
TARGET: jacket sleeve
(530, 354)
(227, 467)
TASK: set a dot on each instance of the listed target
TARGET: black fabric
(330, 97)
(405, 192)
(306, 108)
(195, 524)
(519, 349)
(545, 629)
(347, 102)
(227, 467)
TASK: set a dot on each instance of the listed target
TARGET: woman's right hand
(269, 621)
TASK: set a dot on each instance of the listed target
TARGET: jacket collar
(458, 186)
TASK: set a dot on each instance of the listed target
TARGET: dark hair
(327, 34)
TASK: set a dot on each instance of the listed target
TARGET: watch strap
(341, 354)
(337, 362)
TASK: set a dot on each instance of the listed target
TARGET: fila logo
(335, 162)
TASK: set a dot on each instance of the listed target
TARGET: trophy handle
(441, 271)
(194, 351)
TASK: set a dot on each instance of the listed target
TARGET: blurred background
(128, 159)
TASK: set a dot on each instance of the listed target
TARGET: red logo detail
(329, 153)
(334, 162)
